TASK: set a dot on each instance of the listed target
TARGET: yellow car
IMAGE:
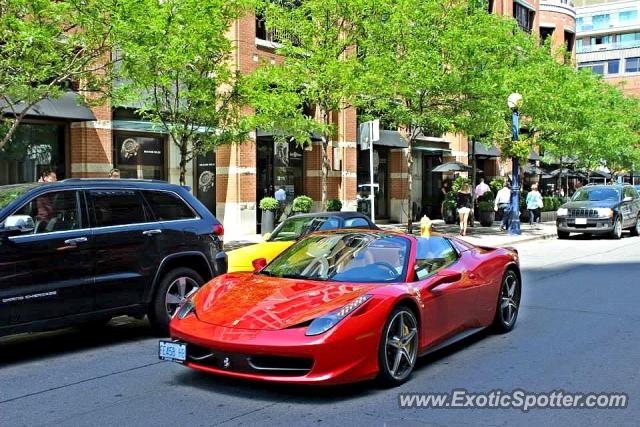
(291, 230)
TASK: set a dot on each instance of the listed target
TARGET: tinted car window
(9, 193)
(293, 228)
(117, 207)
(595, 195)
(432, 255)
(356, 223)
(54, 211)
(167, 206)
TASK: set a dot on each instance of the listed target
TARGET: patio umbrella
(532, 170)
(453, 167)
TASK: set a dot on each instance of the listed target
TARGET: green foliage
(47, 46)
(302, 204)
(269, 204)
(334, 205)
(486, 197)
(449, 203)
(485, 206)
(496, 185)
(175, 58)
(551, 203)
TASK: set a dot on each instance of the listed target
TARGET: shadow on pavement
(40, 345)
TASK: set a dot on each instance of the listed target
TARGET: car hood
(241, 259)
(253, 301)
(591, 205)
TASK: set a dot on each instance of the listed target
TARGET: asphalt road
(577, 331)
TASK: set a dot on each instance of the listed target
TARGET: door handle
(75, 241)
(152, 232)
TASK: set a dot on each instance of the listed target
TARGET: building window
(596, 67)
(579, 45)
(627, 17)
(579, 24)
(545, 33)
(600, 22)
(613, 66)
(600, 40)
(628, 40)
(632, 65)
(569, 39)
(524, 16)
(139, 157)
(33, 149)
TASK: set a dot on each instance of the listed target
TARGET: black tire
(163, 306)
(508, 304)
(563, 235)
(616, 233)
(635, 230)
(406, 345)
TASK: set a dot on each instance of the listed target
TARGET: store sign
(140, 156)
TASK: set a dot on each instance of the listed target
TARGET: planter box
(268, 219)
(548, 216)
(487, 218)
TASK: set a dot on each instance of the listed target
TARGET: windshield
(9, 193)
(293, 228)
(595, 195)
(344, 257)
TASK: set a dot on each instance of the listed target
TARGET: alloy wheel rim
(618, 229)
(638, 226)
(178, 292)
(401, 347)
(509, 299)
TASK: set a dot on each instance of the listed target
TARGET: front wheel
(174, 289)
(617, 229)
(398, 347)
(563, 235)
(508, 302)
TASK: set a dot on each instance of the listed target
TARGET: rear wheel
(398, 347)
(508, 303)
(174, 289)
(563, 234)
(635, 230)
(616, 233)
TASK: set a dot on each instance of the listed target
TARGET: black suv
(84, 250)
(600, 209)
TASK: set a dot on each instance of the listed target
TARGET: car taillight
(218, 230)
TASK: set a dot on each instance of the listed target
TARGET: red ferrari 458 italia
(345, 306)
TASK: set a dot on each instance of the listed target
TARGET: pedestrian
(481, 188)
(114, 173)
(503, 204)
(534, 204)
(444, 190)
(463, 204)
(281, 195)
(51, 177)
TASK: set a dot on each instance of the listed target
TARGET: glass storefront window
(139, 157)
(33, 149)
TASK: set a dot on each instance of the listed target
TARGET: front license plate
(581, 221)
(172, 351)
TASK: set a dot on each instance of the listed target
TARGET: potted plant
(302, 204)
(269, 206)
(334, 205)
(449, 211)
(486, 210)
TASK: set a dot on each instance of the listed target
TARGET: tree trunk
(325, 162)
(474, 167)
(183, 162)
(410, 185)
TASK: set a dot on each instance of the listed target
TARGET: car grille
(583, 213)
(248, 363)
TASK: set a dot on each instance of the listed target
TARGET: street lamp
(514, 102)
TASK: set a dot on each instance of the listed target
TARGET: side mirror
(259, 264)
(266, 237)
(444, 277)
(15, 225)
(627, 199)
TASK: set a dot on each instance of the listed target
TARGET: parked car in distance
(291, 230)
(85, 250)
(600, 210)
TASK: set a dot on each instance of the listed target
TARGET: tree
(177, 70)
(317, 40)
(46, 47)
(438, 67)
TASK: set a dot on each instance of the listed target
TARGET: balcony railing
(608, 46)
(273, 35)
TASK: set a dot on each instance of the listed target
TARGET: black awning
(533, 155)
(483, 150)
(69, 106)
(391, 138)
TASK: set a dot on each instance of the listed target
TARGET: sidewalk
(488, 236)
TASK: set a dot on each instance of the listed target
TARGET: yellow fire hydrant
(425, 227)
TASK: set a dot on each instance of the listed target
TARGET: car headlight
(563, 212)
(324, 323)
(185, 309)
(605, 212)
